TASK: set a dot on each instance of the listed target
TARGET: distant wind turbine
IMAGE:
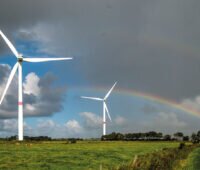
(18, 65)
(105, 108)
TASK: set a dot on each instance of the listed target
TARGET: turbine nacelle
(20, 58)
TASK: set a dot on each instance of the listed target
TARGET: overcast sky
(147, 46)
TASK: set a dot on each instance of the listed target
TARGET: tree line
(114, 136)
(40, 138)
(152, 136)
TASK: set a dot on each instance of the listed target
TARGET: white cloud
(42, 36)
(169, 119)
(26, 34)
(31, 84)
(44, 124)
(10, 124)
(48, 127)
(91, 120)
(119, 120)
(44, 127)
(9, 127)
(192, 103)
(73, 126)
(27, 127)
(30, 107)
(165, 122)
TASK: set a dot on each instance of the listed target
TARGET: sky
(151, 48)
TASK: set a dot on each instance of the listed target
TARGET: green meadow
(83, 155)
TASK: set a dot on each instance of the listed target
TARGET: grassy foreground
(82, 155)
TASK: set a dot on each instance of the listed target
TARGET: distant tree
(159, 135)
(112, 136)
(72, 140)
(198, 134)
(151, 134)
(194, 138)
(178, 136)
(128, 136)
(167, 137)
(185, 138)
(12, 138)
(119, 136)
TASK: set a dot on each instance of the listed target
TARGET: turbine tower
(18, 65)
(105, 108)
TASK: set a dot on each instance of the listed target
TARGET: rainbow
(173, 44)
(160, 100)
(150, 97)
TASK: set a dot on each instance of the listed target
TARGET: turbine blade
(107, 95)
(92, 98)
(9, 80)
(108, 112)
(35, 60)
(10, 45)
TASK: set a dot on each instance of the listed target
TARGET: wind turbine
(105, 108)
(18, 65)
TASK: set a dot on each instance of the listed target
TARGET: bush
(186, 138)
(181, 145)
(73, 141)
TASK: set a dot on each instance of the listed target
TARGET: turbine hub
(20, 58)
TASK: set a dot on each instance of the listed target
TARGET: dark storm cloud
(150, 46)
(3, 72)
(149, 109)
(29, 98)
(51, 98)
(48, 79)
(10, 103)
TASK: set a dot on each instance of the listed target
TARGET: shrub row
(161, 160)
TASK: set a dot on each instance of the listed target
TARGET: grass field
(79, 156)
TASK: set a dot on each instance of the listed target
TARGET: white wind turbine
(105, 108)
(18, 65)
